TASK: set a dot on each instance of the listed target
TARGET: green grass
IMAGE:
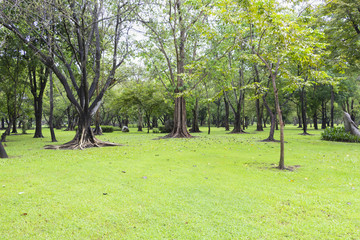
(218, 186)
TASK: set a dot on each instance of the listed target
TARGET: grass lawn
(218, 186)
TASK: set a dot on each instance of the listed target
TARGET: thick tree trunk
(2, 123)
(38, 102)
(179, 129)
(14, 129)
(227, 113)
(3, 153)
(84, 137)
(195, 124)
(140, 120)
(97, 130)
(237, 123)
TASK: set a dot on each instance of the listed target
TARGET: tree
(175, 33)
(74, 27)
(38, 76)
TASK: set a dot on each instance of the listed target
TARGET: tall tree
(38, 76)
(174, 33)
(73, 26)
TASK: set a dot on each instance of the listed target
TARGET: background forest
(82, 63)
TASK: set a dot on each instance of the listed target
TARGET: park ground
(218, 186)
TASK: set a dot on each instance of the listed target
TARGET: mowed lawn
(217, 186)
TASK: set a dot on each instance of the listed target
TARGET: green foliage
(338, 134)
(156, 130)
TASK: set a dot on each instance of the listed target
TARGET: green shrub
(107, 129)
(338, 134)
(164, 129)
(156, 130)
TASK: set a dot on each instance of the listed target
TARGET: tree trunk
(140, 120)
(218, 103)
(2, 123)
(179, 129)
(14, 129)
(259, 116)
(272, 122)
(299, 117)
(303, 110)
(155, 122)
(97, 130)
(195, 125)
(323, 115)
(51, 117)
(279, 113)
(84, 137)
(315, 119)
(2, 151)
(332, 107)
(38, 102)
(209, 117)
(227, 113)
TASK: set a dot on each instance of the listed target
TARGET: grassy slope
(217, 186)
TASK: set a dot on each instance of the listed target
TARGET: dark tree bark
(298, 113)
(303, 110)
(227, 113)
(179, 129)
(78, 69)
(218, 104)
(3, 153)
(323, 115)
(315, 120)
(51, 115)
(2, 123)
(259, 116)
(259, 111)
(37, 86)
(195, 122)
(154, 123)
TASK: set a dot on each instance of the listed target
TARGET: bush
(156, 130)
(107, 129)
(338, 134)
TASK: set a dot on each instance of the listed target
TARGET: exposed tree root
(178, 135)
(305, 134)
(269, 140)
(76, 144)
